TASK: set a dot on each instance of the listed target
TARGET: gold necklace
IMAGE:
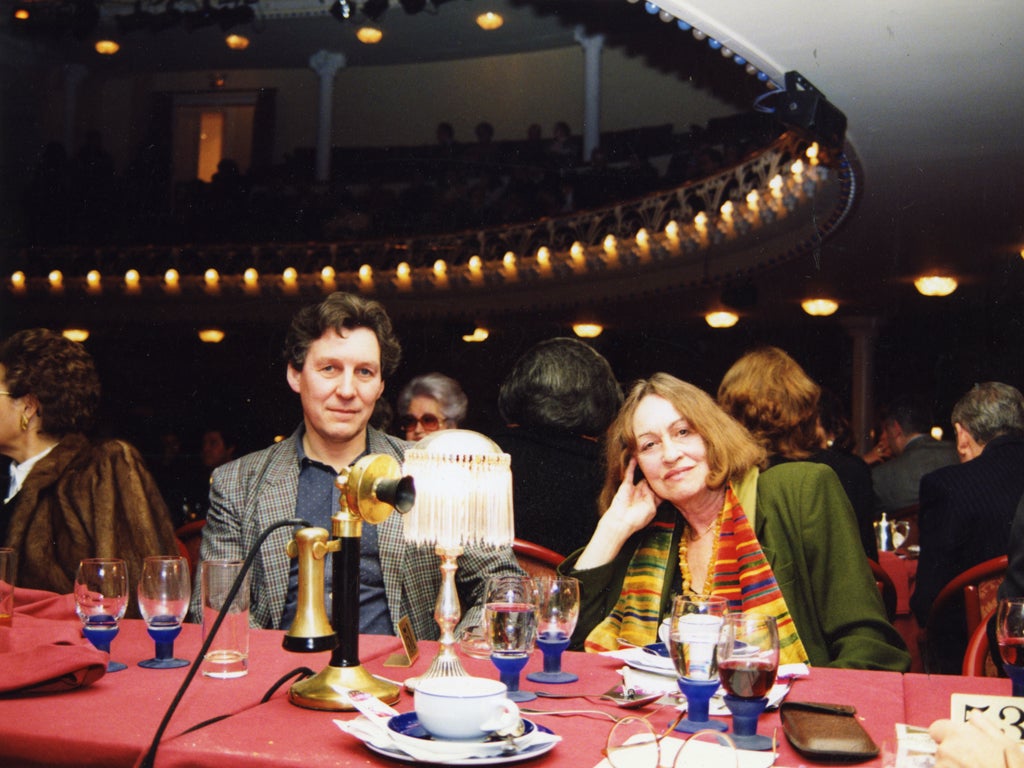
(684, 564)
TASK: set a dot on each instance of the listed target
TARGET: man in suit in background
(967, 509)
(906, 427)
(339, 354)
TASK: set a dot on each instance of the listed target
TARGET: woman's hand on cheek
(634, 505)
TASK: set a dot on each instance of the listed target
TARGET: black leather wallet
(826, 731)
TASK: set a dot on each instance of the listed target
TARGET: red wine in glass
(747, 679)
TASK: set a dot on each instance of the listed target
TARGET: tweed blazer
(249, 494)
(83, 500)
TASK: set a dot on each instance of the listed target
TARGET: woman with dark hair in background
(557, 402)
(69, 498)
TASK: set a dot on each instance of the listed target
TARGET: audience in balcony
(447, 186)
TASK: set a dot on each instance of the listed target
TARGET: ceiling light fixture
(489, 21)
(211, 335)
(819, 307)
(935, 285)
(107, 47)
(721, 319)
(75, 334)
(479, 334)
(369, 35)
(237, 42)
(587, 330)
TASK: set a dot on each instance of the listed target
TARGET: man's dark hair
(561, 384)
(911, 412)
(342, 312)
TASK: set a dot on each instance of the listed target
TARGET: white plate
(526, 753)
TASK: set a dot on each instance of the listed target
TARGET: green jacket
(808, 532)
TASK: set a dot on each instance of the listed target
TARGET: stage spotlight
(341, 10)
(374, 9)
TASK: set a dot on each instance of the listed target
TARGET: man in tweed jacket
(339, 353)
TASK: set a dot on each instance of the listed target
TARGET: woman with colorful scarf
(688, 512)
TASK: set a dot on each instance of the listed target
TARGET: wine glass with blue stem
(558, 608)
(101, 598)
(164, 590)
(748, 661)
(693, 641)
(510, 623)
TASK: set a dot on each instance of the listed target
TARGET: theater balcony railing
(774, 206)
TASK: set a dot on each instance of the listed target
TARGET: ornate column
(592, 47)
(74, 74)
(864, 332)
(326, 65)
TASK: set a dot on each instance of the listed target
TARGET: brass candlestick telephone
(370, 490)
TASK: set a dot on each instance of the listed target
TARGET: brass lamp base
(329, 689)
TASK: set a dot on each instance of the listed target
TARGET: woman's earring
(24, 422)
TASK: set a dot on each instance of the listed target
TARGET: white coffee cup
(463, 708)
(665, 630)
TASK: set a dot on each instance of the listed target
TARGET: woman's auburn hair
(731, 449)
(772, 396)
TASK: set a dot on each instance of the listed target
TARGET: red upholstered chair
(978, 661)
(535, 559)
(978, 587)
(886, 587)
(190, 536)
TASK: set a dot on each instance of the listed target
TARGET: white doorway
(208, 128)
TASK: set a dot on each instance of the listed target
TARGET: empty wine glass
(558, 608)
(693, 639)
(510, 622)
(164, 590)
(101, 598)
(748, 660)
(1010, 634)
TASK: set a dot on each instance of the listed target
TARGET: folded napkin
(43, 604)
(46, 655)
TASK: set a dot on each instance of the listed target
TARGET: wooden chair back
(978, 586)
(978, 661)
(535, 559)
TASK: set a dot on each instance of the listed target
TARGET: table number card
(412, 650)
(1007, 712)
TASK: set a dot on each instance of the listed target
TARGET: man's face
(213, 451)
(339, 385)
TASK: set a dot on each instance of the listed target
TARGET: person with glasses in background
(431, 402)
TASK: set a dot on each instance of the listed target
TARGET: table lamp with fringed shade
(463, 498)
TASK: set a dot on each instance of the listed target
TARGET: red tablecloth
(112, 722)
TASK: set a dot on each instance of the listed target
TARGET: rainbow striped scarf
(742, 575)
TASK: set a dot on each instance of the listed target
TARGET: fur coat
(87, 500)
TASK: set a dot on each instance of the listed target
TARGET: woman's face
(423, 417)
(672, 457)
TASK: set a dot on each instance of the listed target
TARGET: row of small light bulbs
(289, 278)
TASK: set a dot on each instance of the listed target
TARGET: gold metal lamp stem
(447, 612)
